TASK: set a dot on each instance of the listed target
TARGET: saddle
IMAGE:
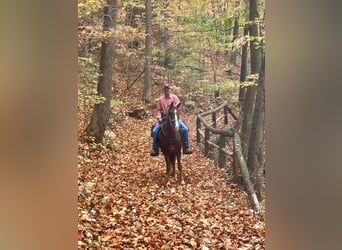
(152, 127)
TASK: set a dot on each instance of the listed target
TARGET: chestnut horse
(170, 143)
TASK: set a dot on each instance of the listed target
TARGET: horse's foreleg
(168, 170)
(180, 169)
(173, 166)
(167, 165)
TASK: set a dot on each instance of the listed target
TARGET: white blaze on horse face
(176, 118)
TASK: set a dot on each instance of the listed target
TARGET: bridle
(174, 120)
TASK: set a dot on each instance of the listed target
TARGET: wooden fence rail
(206, 138)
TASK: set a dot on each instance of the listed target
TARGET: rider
(162, 106)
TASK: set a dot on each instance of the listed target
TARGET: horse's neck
(168, 129)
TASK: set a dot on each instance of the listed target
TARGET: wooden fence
(218, 117)
(218, 124)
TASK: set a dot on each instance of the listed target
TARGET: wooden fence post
(198, 127)
(236, 172)
(222, 155)
(213, 119)
(225, 111)
(206, 142)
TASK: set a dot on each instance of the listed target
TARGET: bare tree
(235, 52)
(101, 111)
(248, 106)
(244, 66)
(148, 53)
(256, 152)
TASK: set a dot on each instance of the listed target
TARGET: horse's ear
(178, 105)
(171, 105)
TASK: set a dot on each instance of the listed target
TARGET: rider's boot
(185, 142)
(154, 152)
(187, 151)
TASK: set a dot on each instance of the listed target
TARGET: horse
(170, 143)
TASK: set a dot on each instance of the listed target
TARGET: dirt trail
(126, 205)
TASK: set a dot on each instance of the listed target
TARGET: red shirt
(163, 104)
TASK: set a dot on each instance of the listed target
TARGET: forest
(211, 52)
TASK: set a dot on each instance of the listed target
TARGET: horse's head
(172, 116)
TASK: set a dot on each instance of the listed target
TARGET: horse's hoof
(182, 182)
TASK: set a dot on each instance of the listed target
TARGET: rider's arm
(176, 101)
(159, 110)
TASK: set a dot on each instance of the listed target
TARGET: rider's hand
(160, 120)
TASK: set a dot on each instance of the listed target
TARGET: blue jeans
(185, 134)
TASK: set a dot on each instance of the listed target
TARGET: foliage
(225, 89)
(87, 8)
(251, 81)
(190, 104)
(190, 38)
(88, 74)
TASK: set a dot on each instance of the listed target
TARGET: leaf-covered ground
(123, 203)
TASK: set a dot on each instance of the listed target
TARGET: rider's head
(167, 89)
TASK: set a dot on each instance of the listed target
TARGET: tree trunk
(251, 90)
(244, 67)
(235, 52)
(168, 50)
(101, 112)
(148, 53)
(253, 33)
(213, 61)
(256, 152)
(245, 175)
